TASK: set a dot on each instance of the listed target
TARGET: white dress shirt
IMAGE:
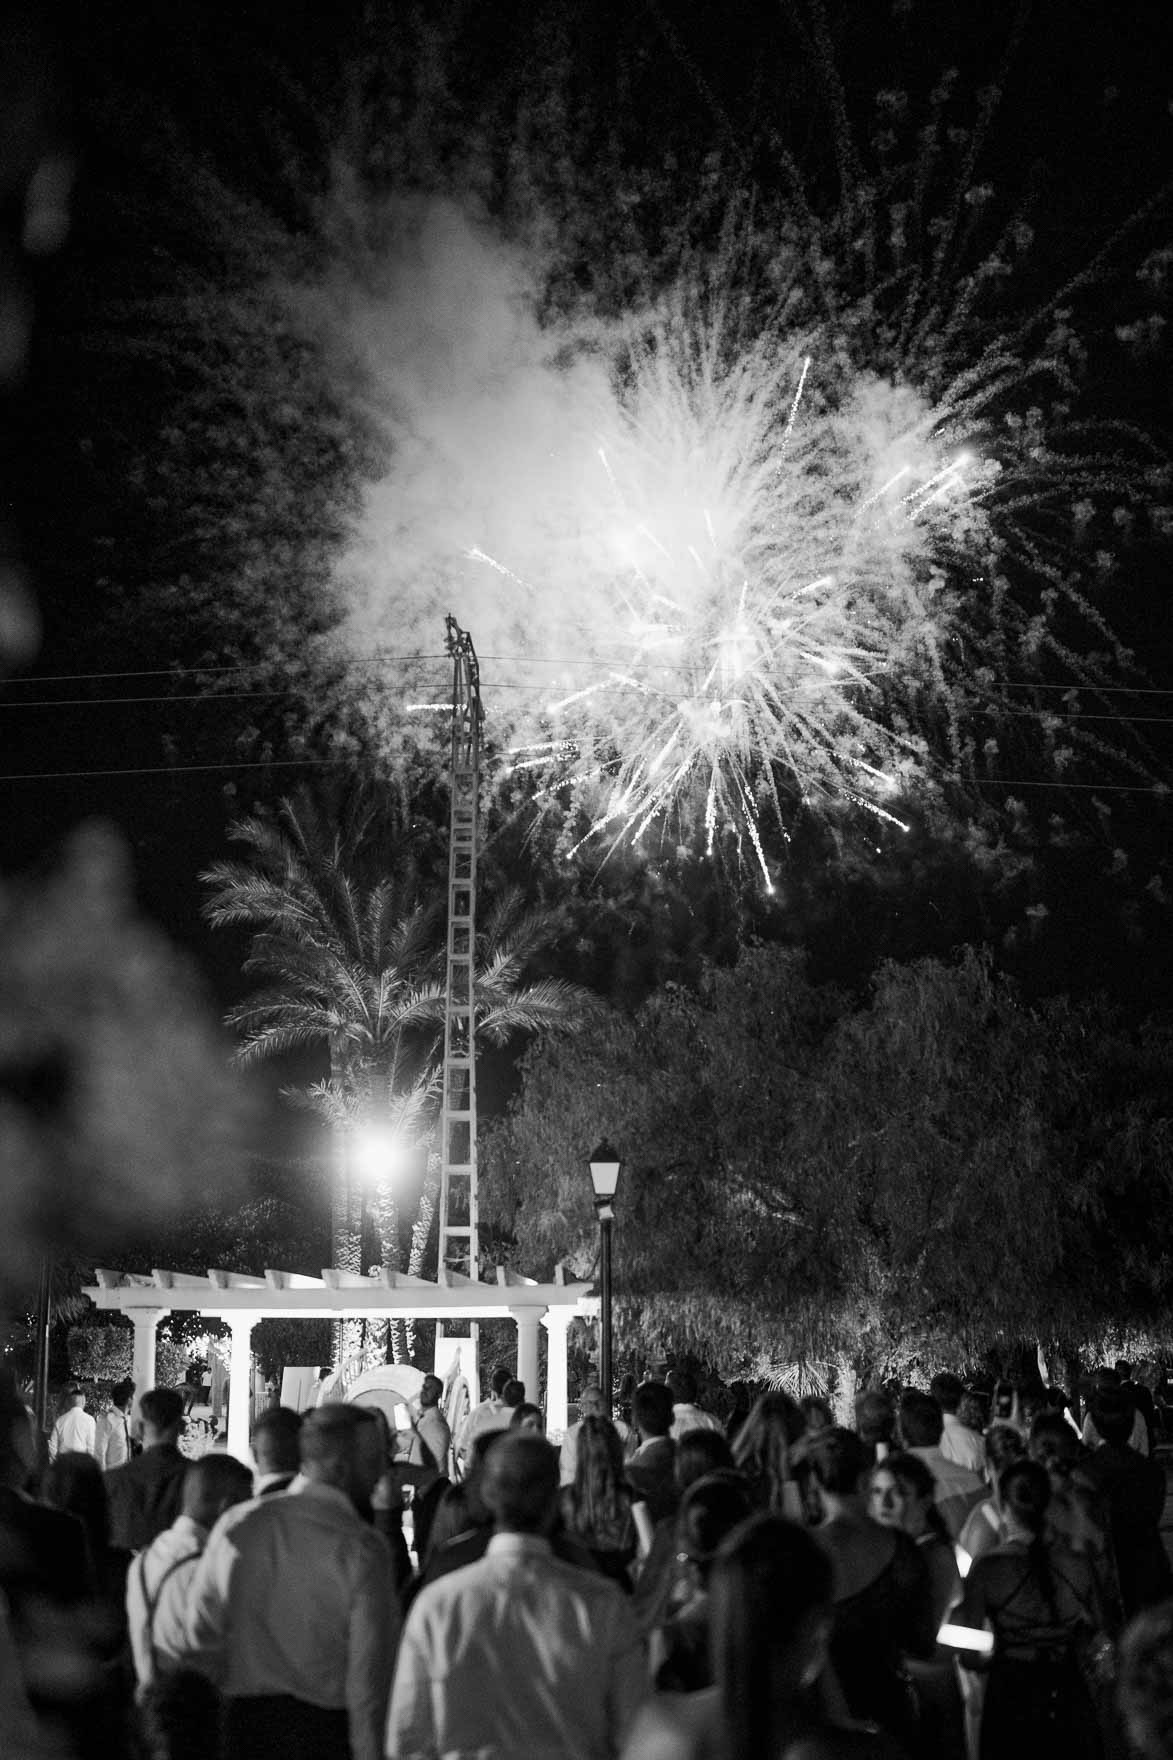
(955, 1489)
(162, 1576)
(74, 1431)
(491, 1414)
(963, 1446)
(295, 1594)
(516, 1655)
(686, 1417)
(112, 1446)
(568, 1453)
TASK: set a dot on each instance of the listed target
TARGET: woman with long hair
(770, 1450)
(598, 1509)
(984, 1528)
(1044, 1607)
(770, 1621)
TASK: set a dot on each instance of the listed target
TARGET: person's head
(431, 1392)
(1106, 1377)
(343, 1446)
(1123, 1369)
(921, 1422)
(651, 1409)
(839, 1462)
(598, 1476)
(1003, 1445)
(74, 1482)
(527, 1416)
(591, 1403)
(681, 1384)
(275, 1440)
(698, 1453)
(972, 1411)
(1054, 1444)
(1145, 1684)
(901, 1494)
(213, 1484)
(161, 1410)
(761, 1448)
(816, 1412)
(499, 1380)
(1024, 1491)
(710, 1510)
(121, 1394)
(75, 1397)
(1003, 1402)
(875, 1418)
(947, 1390)
(770, 1589)
(513, 1394)
(1113, 1416)
(520, 1483)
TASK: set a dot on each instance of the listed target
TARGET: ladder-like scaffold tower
(458, 1117)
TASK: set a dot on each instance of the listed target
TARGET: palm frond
(549, 1006)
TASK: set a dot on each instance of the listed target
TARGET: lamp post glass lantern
(605, 1166)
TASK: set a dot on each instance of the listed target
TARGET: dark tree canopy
(942, 1169)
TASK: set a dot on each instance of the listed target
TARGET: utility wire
(1156, 788)
(598, 661)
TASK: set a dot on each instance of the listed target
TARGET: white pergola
(241, 1300)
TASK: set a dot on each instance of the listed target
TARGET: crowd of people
(940, 1580)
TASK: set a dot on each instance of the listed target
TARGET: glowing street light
(605, 1168)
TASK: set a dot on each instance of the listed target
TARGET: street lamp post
(605, 1166)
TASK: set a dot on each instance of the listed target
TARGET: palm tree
(343, 964)
(352, 958)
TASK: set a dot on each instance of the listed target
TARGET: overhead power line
(1153, 788)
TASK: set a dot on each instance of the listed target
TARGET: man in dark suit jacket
(145, 1495)
(1132, 1488)
(652, 1468)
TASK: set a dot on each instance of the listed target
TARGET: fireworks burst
(758, 585)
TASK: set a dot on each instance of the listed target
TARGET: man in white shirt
(956, 1490)
(75, 1431)
(686, 1414)
(959, 1444)
(159, 1582)
(517, 1654)
(430, 1429)
(491, 1414)
(590, 1405)
(293, 1610)
(112, 1447)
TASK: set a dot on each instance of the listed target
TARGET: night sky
(172, 109)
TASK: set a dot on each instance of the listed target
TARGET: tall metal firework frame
(459, 1239)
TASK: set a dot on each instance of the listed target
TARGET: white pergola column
(240, 1381)
(556, 1321)
(146, 1325)
(527, 1350)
